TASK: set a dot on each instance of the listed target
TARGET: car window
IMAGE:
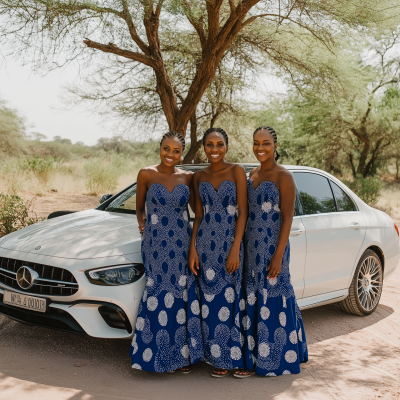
(125, 202)
(343, 201)
(315, 193)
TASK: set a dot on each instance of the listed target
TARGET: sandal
(185, 370)
(220, 373)
(241, 374)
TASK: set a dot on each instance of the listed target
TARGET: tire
(366, 287)
(56, 214)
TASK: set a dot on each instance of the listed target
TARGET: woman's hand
(233, 260)
(142, 224)
(274, 267)
(194, 261)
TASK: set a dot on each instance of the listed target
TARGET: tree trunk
(194, 143)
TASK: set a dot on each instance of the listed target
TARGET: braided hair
(273, 133)
(174, 134)
(219, 130)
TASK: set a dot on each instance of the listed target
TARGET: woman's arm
(198, 209)
(287, 189)
(141, 191)
(232, 263)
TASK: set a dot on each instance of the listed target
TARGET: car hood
(82, 235)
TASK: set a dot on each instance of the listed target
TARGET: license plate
(24, 301)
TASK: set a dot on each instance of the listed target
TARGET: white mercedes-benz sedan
(82, 272)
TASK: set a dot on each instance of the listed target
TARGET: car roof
(248, 167)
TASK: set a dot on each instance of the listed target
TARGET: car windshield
(126, 202)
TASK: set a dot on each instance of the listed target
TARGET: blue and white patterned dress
(221, 293)
(167, 335)
(276, 337)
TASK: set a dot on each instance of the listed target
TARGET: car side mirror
(104, 198)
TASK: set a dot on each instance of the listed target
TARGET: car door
(298, 247)
(335, 230)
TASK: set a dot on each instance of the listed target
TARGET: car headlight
(117, 275)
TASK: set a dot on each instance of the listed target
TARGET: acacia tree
(145, 30)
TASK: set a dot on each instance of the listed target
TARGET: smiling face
(215, 147)
(171, 151)
(263, 145)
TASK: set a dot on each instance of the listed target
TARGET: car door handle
(355, 225)
(295, 232)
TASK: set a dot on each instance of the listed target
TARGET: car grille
(52, 280)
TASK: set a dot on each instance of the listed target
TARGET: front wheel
(366, 287)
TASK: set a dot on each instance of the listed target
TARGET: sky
(38, 99)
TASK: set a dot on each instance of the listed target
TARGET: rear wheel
(366, 287)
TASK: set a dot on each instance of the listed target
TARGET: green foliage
(367, 189)
(15, 213)
(42, 167)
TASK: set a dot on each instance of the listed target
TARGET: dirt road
(351, 358)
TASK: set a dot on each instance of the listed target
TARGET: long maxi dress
(167, 334)
(221, 294)
(275, 341)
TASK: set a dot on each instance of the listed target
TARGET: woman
(275, 338)
(167, 335)
(216, 253)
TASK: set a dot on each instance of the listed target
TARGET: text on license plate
(24, 301)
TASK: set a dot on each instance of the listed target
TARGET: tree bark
(194, 143)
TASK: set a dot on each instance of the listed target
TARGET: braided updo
(174, 134)
(219, 130)
(273, 133)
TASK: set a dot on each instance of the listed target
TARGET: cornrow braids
(219, 130)
(174, 134)
(273, 133)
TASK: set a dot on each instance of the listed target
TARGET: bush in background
(42, 167)
(15, 213)
(367, 189)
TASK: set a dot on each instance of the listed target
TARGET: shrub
(101, 177)
(367, 189)
(42, 167)
(15, 213)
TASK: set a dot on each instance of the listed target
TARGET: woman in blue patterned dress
(167, 335)
(216, 253)
(275, 338)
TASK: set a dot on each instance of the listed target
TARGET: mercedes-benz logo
(26, 277)
(38, 248)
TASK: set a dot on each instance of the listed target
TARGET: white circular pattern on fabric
(210, 274)
(293, 337)
(276, 208)
(265, 295)
(194, 342)
(223, 314)
(154, 219)
(206, 209)
(237, 323)
(241, 340)
(282, 318)
(149, 282)
(266, 206)
(264, 312)
(284, 302)
(185, 216)
(209, 297)
(231, 210)
(144, 297)
(185, 295)
(251, 342)
(246, 322)
(300, 335)
(215, 351)
(251, 299)
(152, 303)
(163, 318)
(181, 316)
(204, 311)
(286, 372)
(169, 300)
(147, 355)
(271, 374)
(242, 305)
(263, 350)
(236, 353)
(195, 307)
(140, 323)
(273, 281)
(134, 347)
(136, 366)
(185, 351)
(182, 280)
(290, 356)
(229, 295)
